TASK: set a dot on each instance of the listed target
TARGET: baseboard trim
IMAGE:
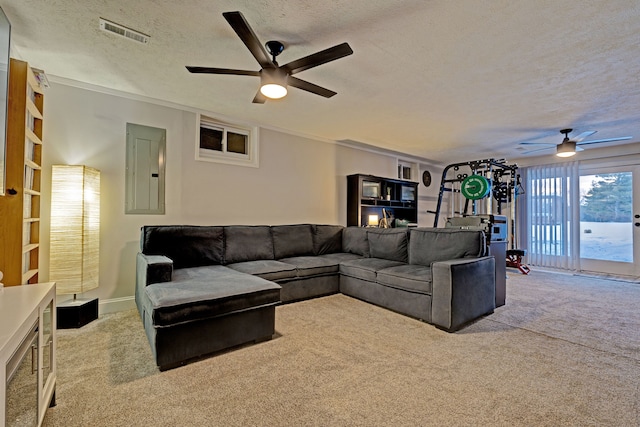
(116, 304)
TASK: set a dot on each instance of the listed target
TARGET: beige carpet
(564, 351)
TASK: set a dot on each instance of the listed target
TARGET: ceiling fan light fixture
(566, 149)
(275, 78)
(273, 91)
(273, 83)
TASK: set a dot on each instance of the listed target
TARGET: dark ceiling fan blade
(310, 87)
(318, 58)
(259, 98)
(209, 70)
(583, 135)
(598, 141)
(248, 37)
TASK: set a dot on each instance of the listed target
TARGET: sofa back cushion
(327, 239)
(292, 240)
(186, 245)
(427, 245)
(354, 241)
(391, 244)
(247, 243)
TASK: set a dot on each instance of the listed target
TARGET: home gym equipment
(467, 186)
(514, 259)
(482, 194)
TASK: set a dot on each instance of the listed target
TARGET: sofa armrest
(150, 269)
(153, 269)
(463, 290)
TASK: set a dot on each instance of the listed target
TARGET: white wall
(85, 127)
(299, 179)
(428, 196)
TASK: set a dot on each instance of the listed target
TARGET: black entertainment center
(370, 197)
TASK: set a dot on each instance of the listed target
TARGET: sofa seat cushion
(206, 292)
(366, 268)
(415, 278)
(266, 269)
(313, 265)
(341, 257)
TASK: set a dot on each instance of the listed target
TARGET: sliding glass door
(582, 218)
(610, 220)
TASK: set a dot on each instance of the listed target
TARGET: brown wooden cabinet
(20, 207)
(370, 195)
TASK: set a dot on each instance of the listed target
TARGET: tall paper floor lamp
(75, 241)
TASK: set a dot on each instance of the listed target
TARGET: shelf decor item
(75, 241)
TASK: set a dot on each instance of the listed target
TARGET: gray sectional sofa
(202, 289)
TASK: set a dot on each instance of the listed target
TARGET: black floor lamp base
(76, 313)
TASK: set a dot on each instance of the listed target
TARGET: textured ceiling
(444, 80)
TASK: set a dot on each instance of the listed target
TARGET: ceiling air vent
(122, 31)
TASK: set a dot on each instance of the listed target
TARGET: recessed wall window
(236, 143)
(222, 142)
(211, 139)
(405, 170)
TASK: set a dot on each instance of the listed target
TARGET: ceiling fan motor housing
(273, 76)
(567, 148)
(566, 132)
(274, 47)
(273, 79)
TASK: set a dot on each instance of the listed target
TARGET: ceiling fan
(275, 78)
(569, 146)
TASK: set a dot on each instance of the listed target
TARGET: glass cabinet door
(47, 344)
(22, 383)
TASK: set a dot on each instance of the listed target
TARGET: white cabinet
(27, 352)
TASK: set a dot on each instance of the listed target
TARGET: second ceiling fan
(275, 78)
(569, 146)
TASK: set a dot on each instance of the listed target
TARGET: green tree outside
(609, 200)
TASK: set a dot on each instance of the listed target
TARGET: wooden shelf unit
(20, 207)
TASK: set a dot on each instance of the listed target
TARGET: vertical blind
(550, 215)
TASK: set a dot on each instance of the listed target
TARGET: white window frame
(205, 155)
(413, 166)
